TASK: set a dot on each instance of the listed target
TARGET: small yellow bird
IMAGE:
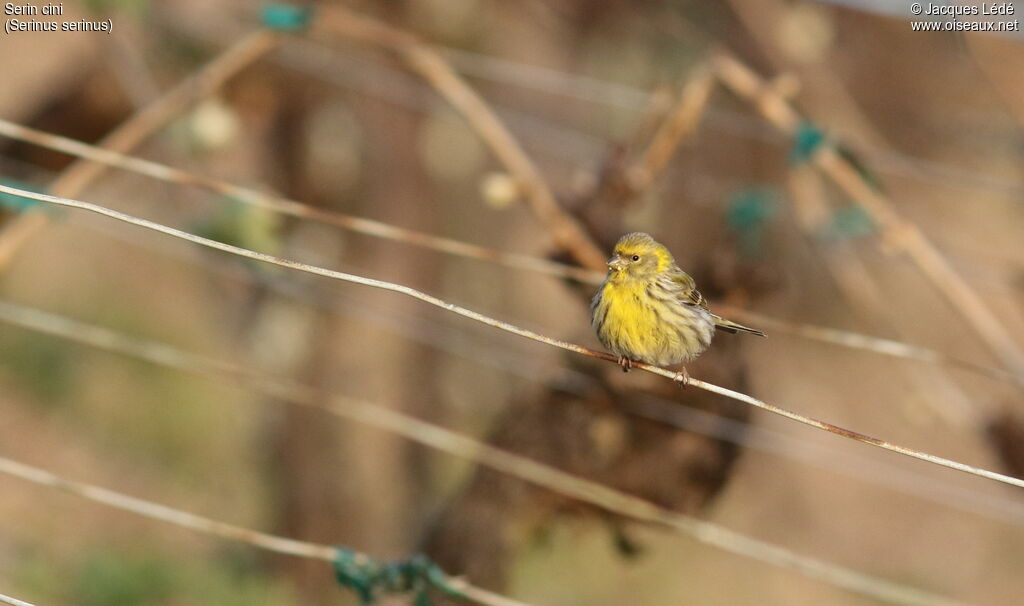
(648, 310)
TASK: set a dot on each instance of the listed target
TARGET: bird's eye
(636, 257)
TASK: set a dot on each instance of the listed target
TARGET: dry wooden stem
(136, 129)
(428, 63)
(898, 232)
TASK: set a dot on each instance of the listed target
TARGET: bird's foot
(683, 378)
(625, 363)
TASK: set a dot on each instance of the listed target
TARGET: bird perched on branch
(648, 310)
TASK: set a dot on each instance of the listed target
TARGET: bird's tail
(730, 326)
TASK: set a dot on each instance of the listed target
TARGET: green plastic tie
(286, 17)
(748, 211)
(371, 579)
(750, 208)
(806, 141)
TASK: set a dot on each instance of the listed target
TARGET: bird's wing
(688, 293)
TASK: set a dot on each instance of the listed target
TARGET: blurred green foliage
(107, 578)
(40, 365)
(136, 576)
(244, 225)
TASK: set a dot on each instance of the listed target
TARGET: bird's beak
(616, 264)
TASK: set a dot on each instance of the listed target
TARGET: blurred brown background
(935, 118)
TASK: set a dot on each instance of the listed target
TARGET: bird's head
(637, 256)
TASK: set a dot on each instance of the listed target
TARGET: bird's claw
(625, 363)
(683, 378)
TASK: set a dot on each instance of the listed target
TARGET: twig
(462, 311)
(459, 248)
(129, 67)
(809, 199)
(809, 195)
(429, 64)
(134, 130)
(462, 446)
(820, 87)
(899, 233)
(262, 540)
(616, 95)
(680, 122)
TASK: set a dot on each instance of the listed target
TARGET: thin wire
(164, 513)
(140, 125)
(393, 86)
(443, 337)
(352, 72)
(6, 599)
(459, 248)
(885, 347)
(660, 410)
(295, 208)
(468, 313)
(462, 446)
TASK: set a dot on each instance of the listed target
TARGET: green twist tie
(849, 222)
(806, 141)
(286, 17)
(370, 579)
(17, 203)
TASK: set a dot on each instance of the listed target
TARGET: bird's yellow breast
(629, 313)
(632, 323)
(631, 327)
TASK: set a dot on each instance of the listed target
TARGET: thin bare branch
(899, 233)
(429, 64)
(462, 311)
(810, 202)
(462, 446)
(681, 122)
(137, 128)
